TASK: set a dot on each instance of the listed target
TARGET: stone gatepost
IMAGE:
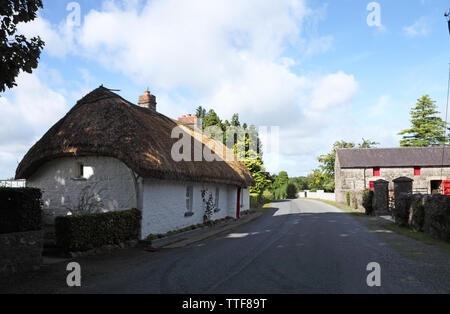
(381, 197)
(402, 185)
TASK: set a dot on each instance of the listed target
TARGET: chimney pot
(147, 101)
(191, 121)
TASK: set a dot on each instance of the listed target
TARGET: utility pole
(447, 15)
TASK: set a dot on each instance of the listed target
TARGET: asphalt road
(299, 246)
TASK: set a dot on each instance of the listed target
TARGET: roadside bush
(291, 191)
(254, 200)
(20, 210)
(437, 216)
(402, 209)
(355, 201)
(268, 196)
(367, 201)
(88, 231)
(417, 213)
(347, 197)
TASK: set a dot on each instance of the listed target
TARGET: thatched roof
(394, 157)
(104, 124)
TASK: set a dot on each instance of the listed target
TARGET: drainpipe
(138, 185)
(364, 175)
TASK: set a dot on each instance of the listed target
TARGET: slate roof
(394, 157)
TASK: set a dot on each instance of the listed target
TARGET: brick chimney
(147, 101)
(191, 121)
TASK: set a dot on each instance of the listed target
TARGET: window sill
(78, 179)
(188, 214)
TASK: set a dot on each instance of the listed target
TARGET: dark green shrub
(437, 216)
(367, 202)
(254, 200)
(418, 216)
(347, 197)
(402, 209)
(20, 210)
(291, 191)
(88, 231)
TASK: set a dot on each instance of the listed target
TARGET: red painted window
(376, 172)
(371, 185)
(417, 171)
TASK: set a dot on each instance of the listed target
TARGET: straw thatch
(104, 124)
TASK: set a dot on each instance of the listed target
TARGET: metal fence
(12, 183)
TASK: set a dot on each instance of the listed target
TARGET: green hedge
(367, 201)
(20, 210)
(87, 231)
(417, 213)
(291, 191)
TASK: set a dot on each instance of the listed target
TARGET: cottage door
(446, 187)
(238, 204)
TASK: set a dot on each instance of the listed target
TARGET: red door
(446, 187)
(238, 204)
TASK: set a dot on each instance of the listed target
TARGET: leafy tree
(211, 119)
(323, 178)
(235, 120)
(201, 112)
(16, 51)
(291, 191)
(327, 161)
(367, 144)
(427, 128)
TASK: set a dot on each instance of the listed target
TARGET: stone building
(357, 169)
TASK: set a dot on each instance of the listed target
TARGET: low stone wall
(20, 252)
(321, 195)
(427, 213)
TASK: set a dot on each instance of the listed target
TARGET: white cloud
(227, 55)
(334, 90)
(422, 27)
(25, 114)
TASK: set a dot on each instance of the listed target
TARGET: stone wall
(358, 179)
(20, 252)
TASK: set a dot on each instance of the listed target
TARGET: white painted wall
(321, 195)
(164, 205)
(163, 202)
(61, 188)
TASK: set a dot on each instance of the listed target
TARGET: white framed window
(84, 172)
(216, 200)
(189, 198)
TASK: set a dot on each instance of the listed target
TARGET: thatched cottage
(358, 169)
(110, 154)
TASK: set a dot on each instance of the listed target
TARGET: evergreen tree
(427, 128)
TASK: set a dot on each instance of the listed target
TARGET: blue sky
(315, 69)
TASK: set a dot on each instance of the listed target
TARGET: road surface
(299, 246)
